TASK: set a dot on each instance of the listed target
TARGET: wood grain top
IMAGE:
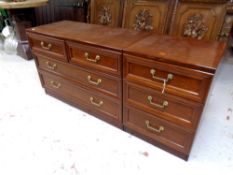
(108, 37)
(23, 4)
(202, 55)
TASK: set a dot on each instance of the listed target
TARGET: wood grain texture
(48, 46)
(106, 12)
(181, 112)
(108, 61)
(110, 109)
(96, 35)
(212, 17)
(200, 55)
(186, 83)
(166, 16)
(110, 85)
(45, 14)
(57, 10)
(172, 136)
(122, 76)
(157, 9)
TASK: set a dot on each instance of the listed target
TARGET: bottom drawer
(97, 104)
(156, 130)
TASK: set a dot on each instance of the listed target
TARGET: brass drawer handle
(99, 104)
(150, 99)
(159, 130)
(55, 85)
(93, 82)
(87, 56)
(51, 66)
(169, 76)
(48, 47)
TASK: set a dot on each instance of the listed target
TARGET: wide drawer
(95, 57)
(184, 113)
(180, 81)
(105, 83)
(47, 46)
(157, 130)
(105, 107)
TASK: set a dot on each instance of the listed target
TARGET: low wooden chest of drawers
(151, 85)
(82, 64)
(166, 82)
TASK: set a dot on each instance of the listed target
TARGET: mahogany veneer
(151, 85)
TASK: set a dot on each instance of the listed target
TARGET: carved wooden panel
(198, 20)
(106, 12)
(227, 27)
(228, 21)
(146, 15)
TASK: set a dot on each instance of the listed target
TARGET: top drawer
(97, 58)
(48, 46)
(176, 80)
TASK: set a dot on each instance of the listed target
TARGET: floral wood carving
(195, 27)
(143, 21)
(105, 16)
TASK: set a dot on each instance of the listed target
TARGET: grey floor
(44, 136)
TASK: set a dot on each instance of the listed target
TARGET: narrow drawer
(95, 57)
(157, 130)
(184, 113)
(107, 84)
(176, 80)
(47, 46)
(97, 103)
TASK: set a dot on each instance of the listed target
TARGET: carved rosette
(195, 27)
(143, 21)
(105, 16)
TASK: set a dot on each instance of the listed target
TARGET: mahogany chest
(151, 85)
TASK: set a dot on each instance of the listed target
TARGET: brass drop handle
(89, 79)
(148, 126)
(150, 99)
(51, 66)
(55, 85)
(97, 104)
(87, 56)
(169, 76)
(48, 47)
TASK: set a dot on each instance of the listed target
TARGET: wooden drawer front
(48, 46)
(100, 103)
(187, 83)
(181, 112)
(107, 84)
(96, 58)
(157, 129)
(152, 14)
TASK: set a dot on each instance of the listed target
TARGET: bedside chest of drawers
(151, 85)
(82, 64)
(166, 82)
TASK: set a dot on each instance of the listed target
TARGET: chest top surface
(203, 55)
(109, 37)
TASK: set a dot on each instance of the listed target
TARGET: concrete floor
(40, 135)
